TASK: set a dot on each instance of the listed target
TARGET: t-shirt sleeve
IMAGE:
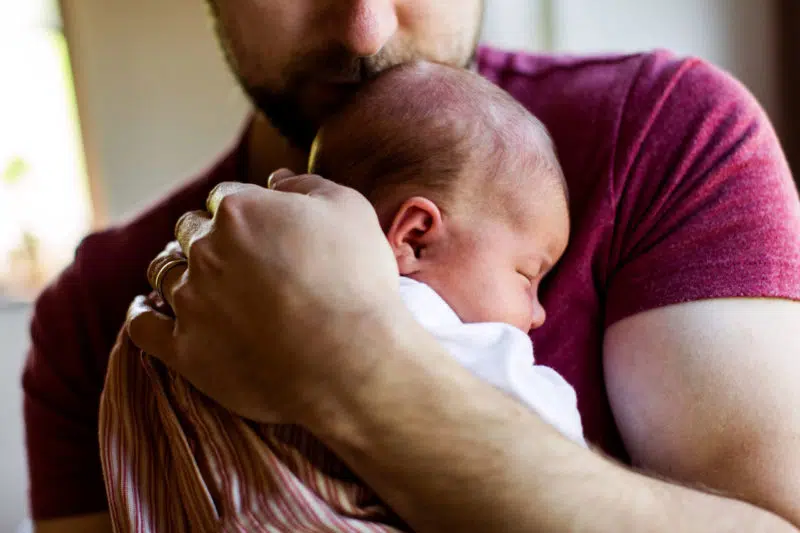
(62, 386)
(705, 203)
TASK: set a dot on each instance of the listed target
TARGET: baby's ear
(416, 226)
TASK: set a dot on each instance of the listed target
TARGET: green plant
(15, 171)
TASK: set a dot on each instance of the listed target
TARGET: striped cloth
(174, 461)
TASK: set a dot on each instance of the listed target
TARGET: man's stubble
(298, 121)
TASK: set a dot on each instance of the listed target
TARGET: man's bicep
(94, 523)
(705, 393)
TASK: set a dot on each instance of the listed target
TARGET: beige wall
(157, 103)
(518, 24)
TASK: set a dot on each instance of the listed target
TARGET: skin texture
(378, 390)
(481, 282)
(724, 391)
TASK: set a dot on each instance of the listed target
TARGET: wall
(156, 101)
(518, 24)
(13, 342)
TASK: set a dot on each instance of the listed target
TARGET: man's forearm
(449, 453)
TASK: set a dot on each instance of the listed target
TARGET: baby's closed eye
(527, 276)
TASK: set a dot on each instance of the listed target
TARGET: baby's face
(492, 268)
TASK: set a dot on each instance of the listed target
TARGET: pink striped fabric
(174, 461)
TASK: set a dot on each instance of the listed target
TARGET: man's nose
(367, 25)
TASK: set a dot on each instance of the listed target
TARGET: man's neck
(268, 151)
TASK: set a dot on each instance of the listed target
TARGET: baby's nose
(539, 315)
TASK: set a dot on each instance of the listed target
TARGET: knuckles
(231, 210)
(204, 257)
(182, 301)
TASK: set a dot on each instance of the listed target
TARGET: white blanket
(499, 354)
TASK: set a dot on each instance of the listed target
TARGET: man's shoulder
(538, 63)
(517, 71)
(556, 87)
(604, 111)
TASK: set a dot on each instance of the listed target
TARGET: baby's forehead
(518, 187)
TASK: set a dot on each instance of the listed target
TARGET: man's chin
(288, 120)
(299, 120)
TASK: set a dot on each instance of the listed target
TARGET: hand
(279, 288)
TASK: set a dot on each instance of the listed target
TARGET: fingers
(151, 331)
(173, 247)
(170, 281)
(223, 190)
(171, 251)
(166, 271)
(308, 184)
(191, 227)
(278, 176)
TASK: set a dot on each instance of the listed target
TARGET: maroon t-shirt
(679, 192)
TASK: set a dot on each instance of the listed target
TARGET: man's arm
(706, 393)
(447, 451)
(486, 464)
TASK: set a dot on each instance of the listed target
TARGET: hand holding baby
(274, 273)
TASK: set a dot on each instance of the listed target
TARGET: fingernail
(279, 175)
(135, 308)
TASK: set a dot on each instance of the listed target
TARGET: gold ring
(164, 270)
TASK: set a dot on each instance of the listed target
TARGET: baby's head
(465, 182)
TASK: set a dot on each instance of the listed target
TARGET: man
(673, 313)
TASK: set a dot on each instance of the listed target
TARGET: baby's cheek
(517, 310)
(520, 310)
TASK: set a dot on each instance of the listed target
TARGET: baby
(443, 155)
(472, 198)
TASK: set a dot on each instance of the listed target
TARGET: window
(44, 194)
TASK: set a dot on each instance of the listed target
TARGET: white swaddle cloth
(499, 354)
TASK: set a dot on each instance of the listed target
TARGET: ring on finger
(163, 271)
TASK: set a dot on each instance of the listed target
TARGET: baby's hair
(416, 128)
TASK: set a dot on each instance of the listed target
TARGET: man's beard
(285, 115)
(294, 113)
(283, 106)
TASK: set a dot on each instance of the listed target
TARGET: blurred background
(106, 104)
